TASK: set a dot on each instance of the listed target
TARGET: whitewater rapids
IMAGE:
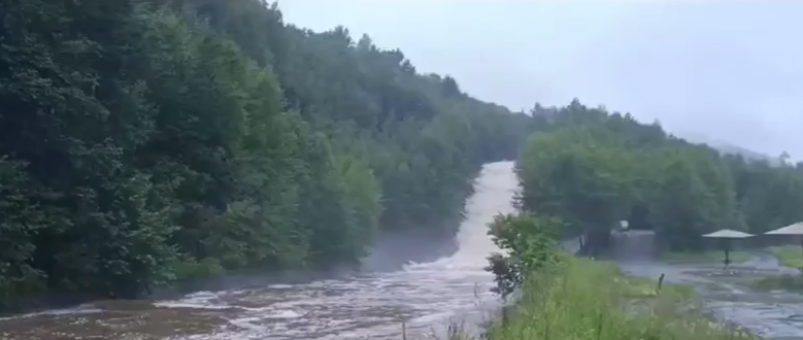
(425, 297)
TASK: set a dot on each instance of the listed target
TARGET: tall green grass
(589, 300)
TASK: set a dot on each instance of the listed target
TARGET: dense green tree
(585, 184)
(143, 142)
(590, 168)
(530, 244)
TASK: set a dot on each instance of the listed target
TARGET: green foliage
(143, 142)
(592, 300)
(565, 297)
(591, 169)
(529, 244)
(588, 185)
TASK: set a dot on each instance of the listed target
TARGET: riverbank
(585, 299)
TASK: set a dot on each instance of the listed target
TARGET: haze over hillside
(737, 150)
(668, 61)
(728, 148)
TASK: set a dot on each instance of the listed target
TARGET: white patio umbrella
(793, 229)
(726, 235)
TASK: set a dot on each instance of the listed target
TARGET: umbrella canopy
(794, 229)
(727, 233)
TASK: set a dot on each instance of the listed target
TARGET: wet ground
(425, 297)
(726, 293)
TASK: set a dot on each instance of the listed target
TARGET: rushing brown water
(426, 297)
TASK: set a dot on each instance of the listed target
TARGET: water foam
(422, 295)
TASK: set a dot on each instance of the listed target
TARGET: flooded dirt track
(727, 294)
(424, 296)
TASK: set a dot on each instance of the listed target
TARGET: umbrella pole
(727, 253)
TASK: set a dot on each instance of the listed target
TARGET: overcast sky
(728, 70)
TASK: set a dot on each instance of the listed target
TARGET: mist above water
(424, 295)
(393, 250)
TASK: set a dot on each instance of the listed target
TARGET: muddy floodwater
(426, 297)
(423, 296)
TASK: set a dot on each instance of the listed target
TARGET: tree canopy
(143, 142)
(590, 169)
(584, 170)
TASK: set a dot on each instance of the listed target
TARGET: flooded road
(727, 294)
(423, 296)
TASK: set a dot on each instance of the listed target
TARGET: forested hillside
(590, 168)
(143, 142)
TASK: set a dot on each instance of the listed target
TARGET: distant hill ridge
(746, 153)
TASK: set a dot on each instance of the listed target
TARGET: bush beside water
(565, 297)
(585, 299)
